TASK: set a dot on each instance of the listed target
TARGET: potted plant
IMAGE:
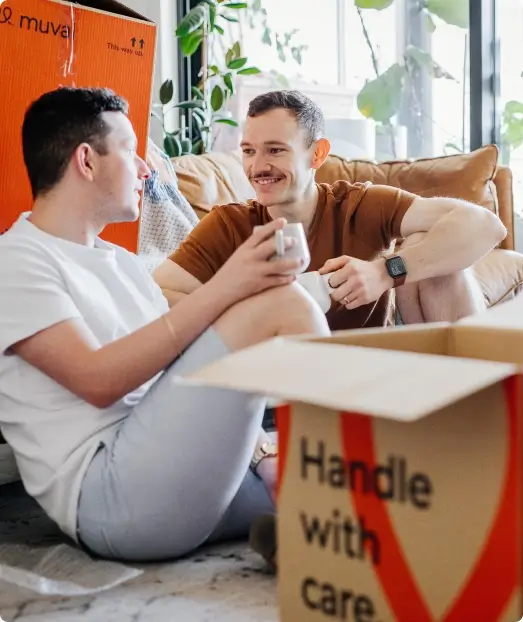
(207, 109)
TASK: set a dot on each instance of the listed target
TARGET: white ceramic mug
(317, 285)
(300, 250)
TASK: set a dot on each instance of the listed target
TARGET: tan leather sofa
(218, 178)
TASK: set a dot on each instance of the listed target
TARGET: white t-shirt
(45, 280)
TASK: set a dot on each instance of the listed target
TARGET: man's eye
(248, 152)
(276, 150)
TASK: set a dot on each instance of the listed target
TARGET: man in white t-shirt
(129, 461)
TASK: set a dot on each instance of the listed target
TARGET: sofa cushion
(212, 179)
(218, 178)
(500, 275)
(468, 176)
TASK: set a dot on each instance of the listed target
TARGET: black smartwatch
(397, 270)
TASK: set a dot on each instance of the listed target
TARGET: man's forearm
(174, 281)
(127, 363)
(452, 244)
(173, 297)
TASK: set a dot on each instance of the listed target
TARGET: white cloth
(45, 280)
(167, 217)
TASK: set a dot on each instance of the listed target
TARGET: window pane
(510, 31)
(370, 49)
(320, 59)
(382, 30)
(392, 83)
(450, 96)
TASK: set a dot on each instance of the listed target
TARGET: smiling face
(277, 157)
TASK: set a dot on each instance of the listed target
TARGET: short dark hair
(307, 113)
(57, 123)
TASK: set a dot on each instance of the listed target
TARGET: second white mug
(317, 285)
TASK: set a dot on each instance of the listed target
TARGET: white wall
(163, 13)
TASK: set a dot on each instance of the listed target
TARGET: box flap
(508, 315)
(390, 384)
(433, 338)
(111, 6)
(504, 344)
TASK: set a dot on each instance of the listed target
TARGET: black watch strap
(399, 281)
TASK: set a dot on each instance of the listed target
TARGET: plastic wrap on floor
(35, 557)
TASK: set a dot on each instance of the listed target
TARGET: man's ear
(84, 161)
(322, 148)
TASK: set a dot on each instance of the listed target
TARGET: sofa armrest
(504, 181)
(500, 275)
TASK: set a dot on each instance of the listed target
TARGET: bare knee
(286, 310)
(444, 298)
(283, 310)
(289, 301)
(441, 299)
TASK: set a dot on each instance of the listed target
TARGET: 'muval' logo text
(34, 24)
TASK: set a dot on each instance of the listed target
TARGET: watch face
(396, 267)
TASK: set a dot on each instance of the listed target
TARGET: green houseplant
(203, 26)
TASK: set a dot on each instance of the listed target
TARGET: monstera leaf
(380, 99)
(455, 12)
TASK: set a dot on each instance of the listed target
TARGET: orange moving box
(401, 474)
(45, 44)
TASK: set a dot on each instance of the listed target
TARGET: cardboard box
(495, 335)
(46, 44)
(401, 473)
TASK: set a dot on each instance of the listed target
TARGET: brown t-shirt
(360, 220)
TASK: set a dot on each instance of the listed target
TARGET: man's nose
(260, 164)
(144, 172)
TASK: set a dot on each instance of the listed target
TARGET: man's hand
(248, 270)
(357, 282)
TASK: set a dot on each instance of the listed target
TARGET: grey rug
(44, 577)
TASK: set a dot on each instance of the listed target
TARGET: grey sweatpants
(176, 475)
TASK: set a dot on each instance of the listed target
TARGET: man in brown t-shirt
(350, 227)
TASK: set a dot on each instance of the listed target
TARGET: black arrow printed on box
(133, 41)
(142, 43)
